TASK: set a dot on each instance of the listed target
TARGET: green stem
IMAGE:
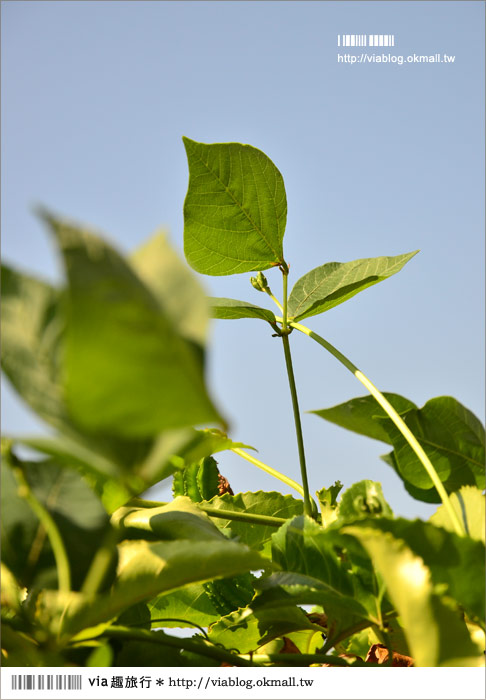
(254, 519)
(261, 465)
(52, 531)
(101, 564)
(395, 417)
(285, 277)
(274, 299)
(298, 426)
(202, 648)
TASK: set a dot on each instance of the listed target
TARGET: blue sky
(378, 159)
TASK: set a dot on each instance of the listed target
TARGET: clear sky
(378, 159)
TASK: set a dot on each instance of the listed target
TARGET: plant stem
(261, 465)
(395, 417)
(308, 510)
(47, 521)
(202, 648)
(253, 518)
(100, 564)
(285, 276)
(298, 426)
(274, 299)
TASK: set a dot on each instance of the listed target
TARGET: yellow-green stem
(394, 416)
(397, 420)
(52, 531)
(261, 465)
(101, 564)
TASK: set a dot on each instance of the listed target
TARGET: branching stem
(394, 416)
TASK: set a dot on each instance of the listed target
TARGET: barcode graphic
(47, 682)
(366, 40)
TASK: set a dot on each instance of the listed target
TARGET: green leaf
(453, 439)
(199, 481)
(436, 634)
(333, 283)
(447, 556)
(248, 629)
(283, 589)
(233, 309)
(114, 483)
(202, 604)
(260, 503)
(143, 376)
(361, 415)
(32, 328)
(301, 546)
(179, 519)
(235, 209)
(469, 504)
(450, 434)
(174, 285)
(361, 500)
(144, 571)
(76, 511)
(190, 603)
(328, 502)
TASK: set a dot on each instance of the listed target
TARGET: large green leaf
(231, 309)
(301, 546)
(179, 519)
(144, 571)
(469, 504)
(450, 434)
(248, 629)
(190, 603)
(113, 482)
(447, 556)
(329, 285)
(175, 286)
(235, 209)
(282, 589)
(259, 503)
(77, 512)
(362, 415)
(32, 328)
(436, 634)
(201, 604)
(128, 371)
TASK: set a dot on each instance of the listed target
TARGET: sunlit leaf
(469, 504)
(451, 435)
(235, 209)
(259, 503)
(248, 629)
(143, 376)
(362, 500)
(436, 634)
(144, 571)
(333, 283)
(175, 286)
(233, 309)
(179, 519)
